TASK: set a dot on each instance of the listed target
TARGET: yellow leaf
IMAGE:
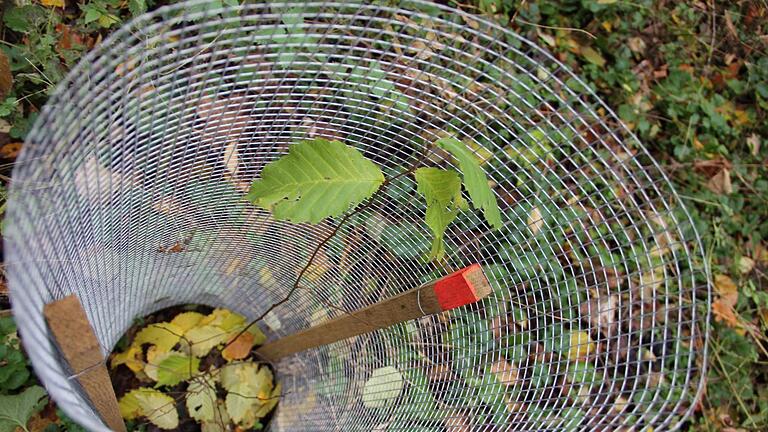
(187, 320)
(201, 399)
(220, 421)
(154, 358)
(239, 348)
(164, 335)
(274, 397)
(225, 319)
(581, 345)
(158, 408)
(204, 338)
(240, 404)
(232, 374)
(53, 3)
(129, 406)
(130, 357)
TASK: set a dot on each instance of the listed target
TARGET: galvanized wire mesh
(129, 193)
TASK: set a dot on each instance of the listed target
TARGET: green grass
(690, 79)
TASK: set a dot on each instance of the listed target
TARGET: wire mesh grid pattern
(129, 193)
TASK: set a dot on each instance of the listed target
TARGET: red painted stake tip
(456, 289)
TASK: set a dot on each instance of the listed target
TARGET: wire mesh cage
(129, 193)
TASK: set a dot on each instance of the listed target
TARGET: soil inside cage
(192, 368)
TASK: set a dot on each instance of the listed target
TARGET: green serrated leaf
(176, 368)
(442, 191)
(15, 410)
(315, 180)
(475, 180)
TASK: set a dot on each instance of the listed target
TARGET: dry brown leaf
(535, 222)
(10, 150)
(723, 306)
(232, 162)
(457, 422)
(239, 348)
(753, 141)
(6, 78)
(504, 371)
(720, 183)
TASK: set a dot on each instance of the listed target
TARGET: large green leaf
(315, 180)
(475, 180)
(442, 191)
(15, 410)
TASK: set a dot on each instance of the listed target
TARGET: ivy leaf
(201, 399)
(442, 191)
(176, 368)
(475, 180)
(315, 180)
(15, 410)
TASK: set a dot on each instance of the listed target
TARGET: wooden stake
(77, 342)
(463, 287)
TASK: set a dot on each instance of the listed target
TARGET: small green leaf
(475, 180)
(442, 191)
(15, 410)
(383, 387)
(176, 368)
(315, 180)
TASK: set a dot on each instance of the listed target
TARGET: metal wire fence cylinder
(129, 193)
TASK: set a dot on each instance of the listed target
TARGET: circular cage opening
(129, 193)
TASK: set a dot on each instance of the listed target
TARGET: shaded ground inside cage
(124, 380)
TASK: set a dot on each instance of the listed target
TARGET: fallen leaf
(720, 183)
(6, 78)
(232, 374)
(269, 404)
(382, 388)
(580, 345)
(132, 358)
(163, 335)
(158, 408)
(53, 3)
(723, 306)
(504, 371)
(753, 141)
(535, 222)
(239, 348)
(746, 264)
(232, 162)
(187, 320)
(201, 399)
(593, 56)
(176, 368)
(203, 339)
(10, 150)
